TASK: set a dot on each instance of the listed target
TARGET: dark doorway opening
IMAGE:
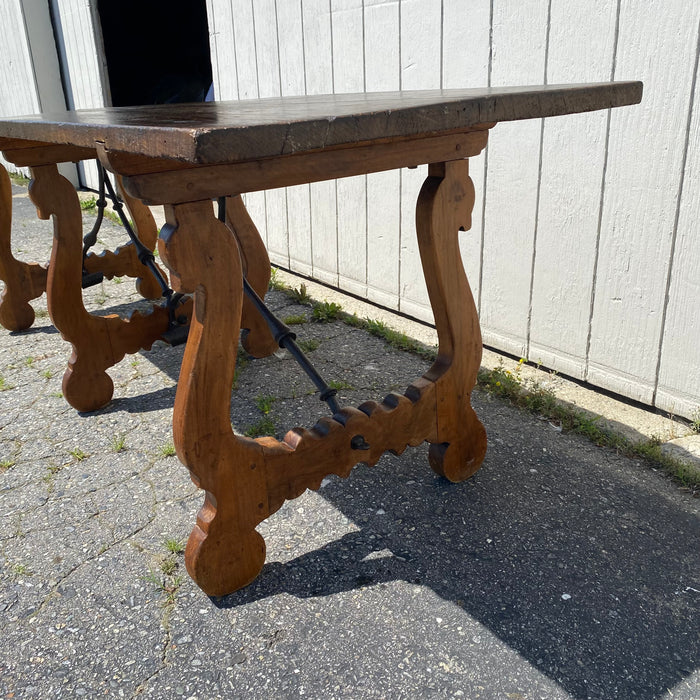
(157, 51)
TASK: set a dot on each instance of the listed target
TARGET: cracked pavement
(561, 570)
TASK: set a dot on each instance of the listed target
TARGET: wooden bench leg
(99, 342)
(23, 281)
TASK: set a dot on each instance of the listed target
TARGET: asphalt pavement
(560, 570)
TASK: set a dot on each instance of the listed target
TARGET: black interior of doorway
(157, 51)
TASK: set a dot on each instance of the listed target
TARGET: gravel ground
(560, 570)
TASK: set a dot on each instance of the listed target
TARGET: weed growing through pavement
(4, 385)
(301, 296)
(167, 581)
(241, 362)
(88, 204)
(396, 339)
(275, 281)
(78, 454)
(295, 320)
(309, 344)
(339, 384)
(174, 546)
(21, 570)
(695, 420)
(6, 464)
(47, 374)
(167, 450)
(18, 178)
(264, 403)
(265, 426)
(118, 443)
(168, 566)
(167, 584)
(325, 311)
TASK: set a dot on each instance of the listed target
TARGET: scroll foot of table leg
(221, 557)
(86, 388)
(460, 458)
(444, 208)
(23, 281)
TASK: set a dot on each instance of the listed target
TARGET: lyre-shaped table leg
(224, 552)
(99, 342)
(23, 281)
(444, 208)
(247, 480)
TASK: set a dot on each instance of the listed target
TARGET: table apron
(206, 182)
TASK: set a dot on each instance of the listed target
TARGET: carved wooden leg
(98, 342)
(23, 281)
(257, 339)
(124, 261)
(224, 552)
(444, 207)
(247, 480)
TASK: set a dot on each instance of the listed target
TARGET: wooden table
(183, 156)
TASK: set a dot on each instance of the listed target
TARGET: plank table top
(230, 132)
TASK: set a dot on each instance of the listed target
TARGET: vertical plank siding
(518, 56)
(83, 61)
(382, 73)
(18, 89)
(584, 251)
(581, 49)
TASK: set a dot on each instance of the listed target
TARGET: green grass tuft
(264, 403)
(295, 320)
(4, 385)
(325, 311)
(167, 450)
(265, 426)
(308, 345)
(174, 546)
(88, 204)
(118, 443)
(300, 296)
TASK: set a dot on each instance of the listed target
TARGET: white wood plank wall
(584, 252)
(32, 51)
(80, 45)
(18, 88)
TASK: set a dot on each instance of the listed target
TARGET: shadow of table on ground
(574, 557)
(583, 562)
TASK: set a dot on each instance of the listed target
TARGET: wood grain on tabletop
(216, 132)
